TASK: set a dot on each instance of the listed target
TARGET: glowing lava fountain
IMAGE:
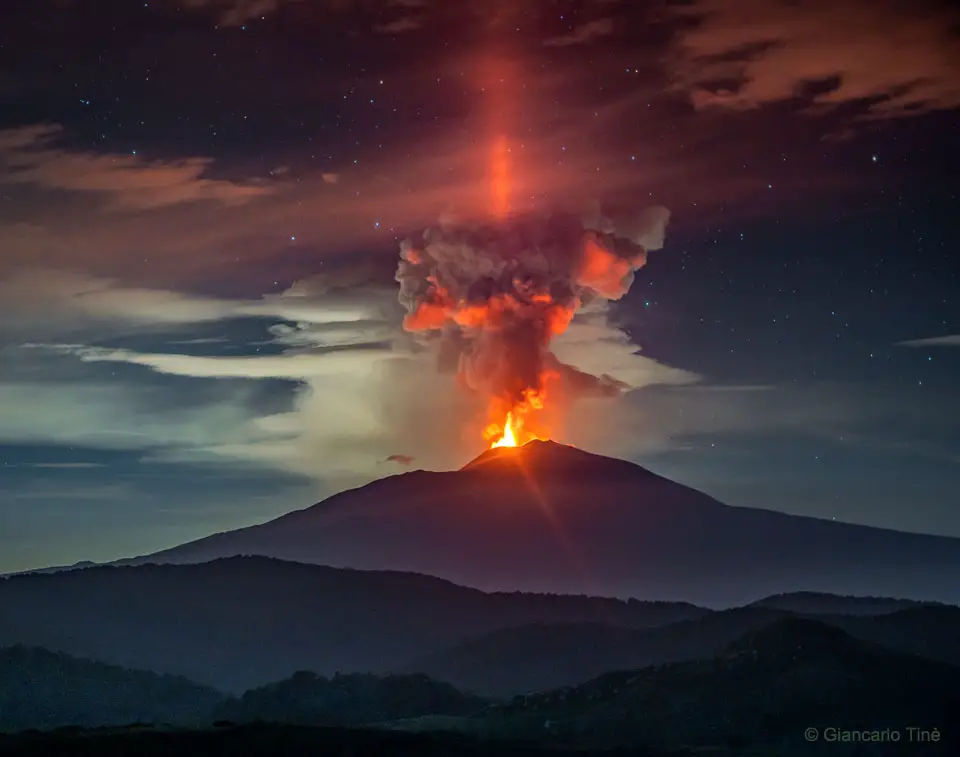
(508, 439)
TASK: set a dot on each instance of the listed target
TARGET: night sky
(201, 205)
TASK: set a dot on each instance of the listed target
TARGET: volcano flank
(547, 517)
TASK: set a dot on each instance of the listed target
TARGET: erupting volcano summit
(495, 295)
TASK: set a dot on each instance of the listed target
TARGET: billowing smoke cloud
(496, 294)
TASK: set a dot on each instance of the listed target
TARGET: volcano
(547, 517)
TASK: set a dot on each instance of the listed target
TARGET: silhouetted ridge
(43, 689)
(792, 635)
(358, 699)
(243, 621)
(820, 603)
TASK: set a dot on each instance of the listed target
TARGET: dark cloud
(582, 34)
(896, 58)
(951, 340)
(397, 15)
(237, 12)
(30, 155)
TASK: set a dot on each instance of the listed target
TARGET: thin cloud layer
(404, 14)
(950, 340)
(235, 12)
(30, 156)
(896, 59)
(36, 301)
(582, 34)
(363, 392)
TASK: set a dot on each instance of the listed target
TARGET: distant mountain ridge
(243, 622)
(537, 657)
(551, 518)
(818, 603)
(240, 622)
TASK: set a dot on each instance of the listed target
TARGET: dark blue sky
(201, 206)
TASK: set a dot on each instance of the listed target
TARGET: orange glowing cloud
(605, 272)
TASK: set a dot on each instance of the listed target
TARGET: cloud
(298, 366)
(241, 12)
(236, 12)
(37, 301)
(593, 345)
(57, 466)
(58, 296)
(352, 391)
(583, 34)
(408, 16)
(29, 155)
(399, 25)
(896, 59)
(951, 340)
(113, 415)
(307, 218)
(686, 418)
(361, 388)
(44, 492)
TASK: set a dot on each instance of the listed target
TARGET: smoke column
(495, 295)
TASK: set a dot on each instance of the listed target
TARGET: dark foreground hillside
(348, 700)
(538, 657)
(758, 697)
(284, 741)
(766, 691)
(42, 689)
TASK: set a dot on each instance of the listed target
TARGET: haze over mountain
(552, 518)
(242, 622)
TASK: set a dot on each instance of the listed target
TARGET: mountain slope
(242, 622)
(766, 689)
(42, 689)
(931, 632)
(551, 518)
(538, 657)
(348, 700)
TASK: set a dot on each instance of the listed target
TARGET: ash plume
(496, 294)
